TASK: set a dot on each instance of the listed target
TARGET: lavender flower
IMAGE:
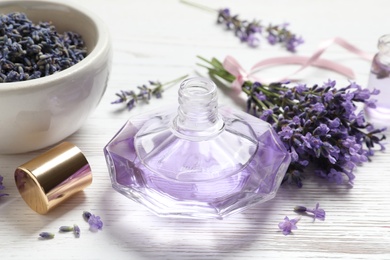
(251, 32)
(145, 93)
(2, 187)
(317, 212)
(76, 231)
(94, 222)
(74, 228)
(46, 235)
(66, 228)
(288, 225)
(319, 125)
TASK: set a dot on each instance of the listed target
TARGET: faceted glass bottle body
(380, 79)
(197, 161)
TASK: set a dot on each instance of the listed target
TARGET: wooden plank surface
(159, 40)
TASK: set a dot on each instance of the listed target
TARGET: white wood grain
(159, 40)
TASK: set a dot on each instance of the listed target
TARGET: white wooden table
(159, 40)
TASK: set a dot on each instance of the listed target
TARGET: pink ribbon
(233, 67)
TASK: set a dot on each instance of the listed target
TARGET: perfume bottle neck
(383, 55)
(198, 109)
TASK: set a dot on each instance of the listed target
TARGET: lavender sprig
(317, 212)
(145, 93)
(318, 125)
(2, 187)
(252, 32)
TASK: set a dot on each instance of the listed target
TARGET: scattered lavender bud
(86, 215)
(76, 231)
(317, 212)
(288, 225)
(95, 223)
(46, 235)
(66, 228)
(2, 187)
(300, 209)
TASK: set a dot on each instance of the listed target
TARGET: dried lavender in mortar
(30, 51)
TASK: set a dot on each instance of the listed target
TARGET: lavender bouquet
(319, 125)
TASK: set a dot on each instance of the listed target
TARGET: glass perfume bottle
(380, 79)
(198, 160)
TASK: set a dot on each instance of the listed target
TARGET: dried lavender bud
(30, 51)
(76, 231)
(2, 187)
(86, 215)
(66, 228)
(46, 235)
(317, 212)
(95, 223)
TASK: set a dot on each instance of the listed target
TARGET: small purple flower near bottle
(95, 223)
(288, 225)
(317, 212)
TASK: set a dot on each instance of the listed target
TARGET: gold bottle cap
(52, 177)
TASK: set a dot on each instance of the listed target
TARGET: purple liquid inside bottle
(380, 79)
(197, 161)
